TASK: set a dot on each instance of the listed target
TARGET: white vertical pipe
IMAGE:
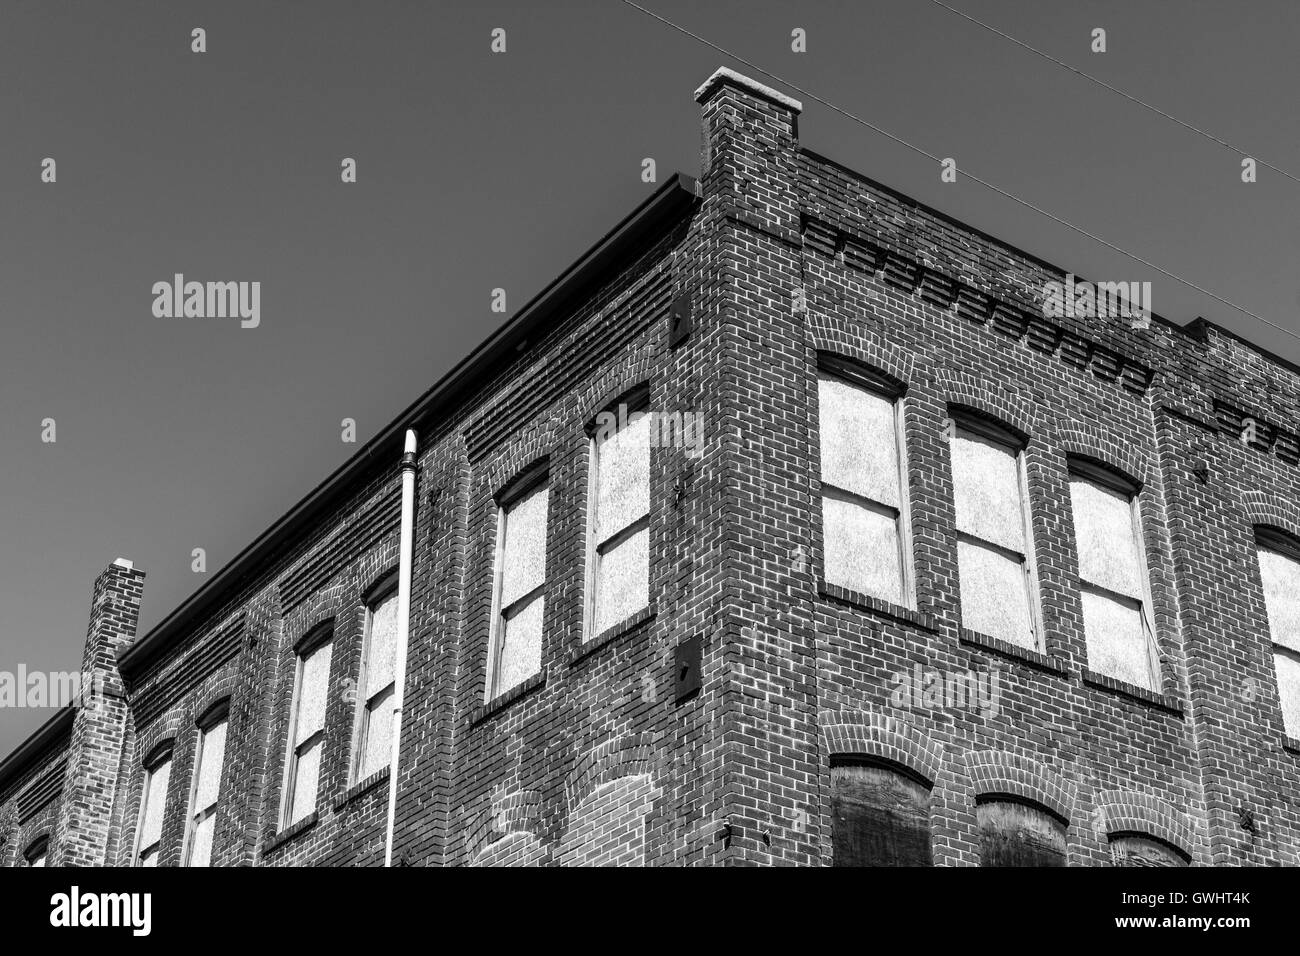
(403, 631)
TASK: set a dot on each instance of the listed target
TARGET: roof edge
(1198, 326)
(1194, 329)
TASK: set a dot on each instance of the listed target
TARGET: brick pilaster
(750, 185)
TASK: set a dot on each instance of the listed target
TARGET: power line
(983, 182)
(1118, 92)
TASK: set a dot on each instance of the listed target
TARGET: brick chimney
(90, 785)
(751, 132)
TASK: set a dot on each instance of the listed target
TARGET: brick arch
(165, 728)
(1083, 438)
(627, 389)
(962, 388)
(382, 567)
(45, 833)
(525, 475)
(859, 344)
(44, 823)
(623, 380)
(1267, 508)
(517, 848)
(869, 734)
(533, 445)
(1120, 811)
(24, 841)
(994, 772)
(609, 825)
(220, 684)
(508, 813)
(622, 756)
(325, 606)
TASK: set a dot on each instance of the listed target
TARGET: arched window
(205, 794)
(618, 514)
(1118, 625)
(519, 585)
(307, 728)
(865, 529)
(377, 684)
(36, 854)
(1016, 833)
(995, 560)
(880, 815)
(1279, 570)
(153, 802)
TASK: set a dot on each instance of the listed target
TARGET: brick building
(935, 578)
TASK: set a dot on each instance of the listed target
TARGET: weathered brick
(784, 257)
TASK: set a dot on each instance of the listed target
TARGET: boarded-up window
(1019, 834)
(879, 817)
(1117, 625)
(997, 588)
(153, 803)
(307, 742)
(375, 732)
(1279, 568)
(209, 758)
(620, 523)
(36, 853)
(1138, 849)
(863, 525)
(520, 599)
(1287, 665)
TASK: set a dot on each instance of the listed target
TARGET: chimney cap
(123, 563)
(725, 75)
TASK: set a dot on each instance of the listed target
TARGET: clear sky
(478, 170)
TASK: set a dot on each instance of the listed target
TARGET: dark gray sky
(478, 170)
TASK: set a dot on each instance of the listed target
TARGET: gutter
(669, 202)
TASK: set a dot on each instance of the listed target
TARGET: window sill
(865, 602)
(1017, 653)
(277, 840)
(1164, 702)
(626, 626)
(499, 703)
(362, 787)
(1292, 744)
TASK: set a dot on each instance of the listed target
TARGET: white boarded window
(1118, 628)
(1279, 569)
(619, 518)
(519, 601)
(153, 802)
(307, 732)
(863, 516)
(994, 552)
(378, 683)
(209, 759)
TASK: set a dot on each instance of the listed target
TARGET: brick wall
(30, 809)
(787, 258)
